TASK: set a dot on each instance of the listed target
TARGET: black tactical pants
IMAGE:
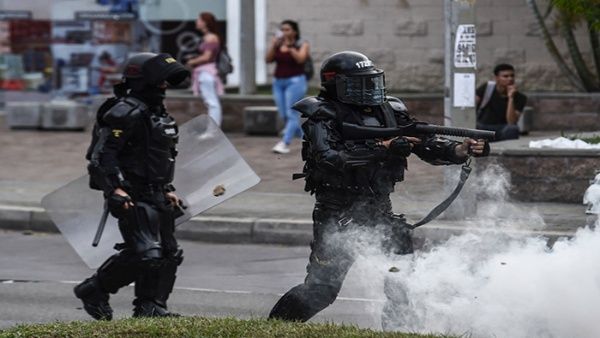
(149, 255)
(331, 258)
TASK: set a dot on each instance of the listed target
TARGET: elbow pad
(439, 151)
(106, 179)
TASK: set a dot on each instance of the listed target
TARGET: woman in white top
(205, 78)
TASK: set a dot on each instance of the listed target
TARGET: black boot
(153, 287)
(95, 301)
(303, 301)
(148, 308)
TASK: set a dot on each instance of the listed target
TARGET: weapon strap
(435, 212)
(489, 91)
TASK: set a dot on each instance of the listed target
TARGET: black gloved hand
(400, 147)
(179, 209)
(116, 205)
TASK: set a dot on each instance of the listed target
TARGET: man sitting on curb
(499, 104)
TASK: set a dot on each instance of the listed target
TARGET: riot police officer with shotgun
(355, 149)
(132, 160)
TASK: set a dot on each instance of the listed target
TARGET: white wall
(233, 40)
(181, 9)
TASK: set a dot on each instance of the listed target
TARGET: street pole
(247, 48)
(459, 89)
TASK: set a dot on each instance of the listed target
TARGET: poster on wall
(464, 90)
(464, 47)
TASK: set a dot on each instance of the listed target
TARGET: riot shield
(209, 170)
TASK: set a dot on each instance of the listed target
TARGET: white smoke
(491, 283)
(591, 197)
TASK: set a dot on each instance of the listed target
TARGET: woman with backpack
(205, 77)
(290, 55)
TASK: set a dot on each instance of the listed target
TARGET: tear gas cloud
(488, 282)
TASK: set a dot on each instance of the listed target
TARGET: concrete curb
(217, 229)
(222, 229)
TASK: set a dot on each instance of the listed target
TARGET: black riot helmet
(146, 70)
(351, 77)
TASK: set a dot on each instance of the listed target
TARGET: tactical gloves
(400, 147)
(116, 205)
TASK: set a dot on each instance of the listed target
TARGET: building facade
(406, 38)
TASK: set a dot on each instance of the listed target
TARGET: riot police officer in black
(352, 180)
(131, 159)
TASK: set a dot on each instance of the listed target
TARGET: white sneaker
(281, 148)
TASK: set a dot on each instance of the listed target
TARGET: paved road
(215, 280)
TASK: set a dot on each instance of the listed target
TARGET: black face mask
(150, 95)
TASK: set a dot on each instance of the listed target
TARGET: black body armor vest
(153, 158)
(373, 172)
(148, 153)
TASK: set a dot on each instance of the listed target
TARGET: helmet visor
(363, 90)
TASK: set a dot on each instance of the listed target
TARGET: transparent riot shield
(209, 170)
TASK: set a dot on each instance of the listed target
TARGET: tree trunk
(582, 70)
(595, 43)
(554, 53)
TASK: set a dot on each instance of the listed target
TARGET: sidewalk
(277, 210)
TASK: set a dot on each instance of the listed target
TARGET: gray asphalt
(215, 280)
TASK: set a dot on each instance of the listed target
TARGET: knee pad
(166, 262)
(145, 232)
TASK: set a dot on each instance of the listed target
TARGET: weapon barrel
(356, 132)
(453, 131)
(101, 226)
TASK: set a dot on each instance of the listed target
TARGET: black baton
(101, 225)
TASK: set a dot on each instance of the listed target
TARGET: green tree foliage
(588, 10)
(569, 15)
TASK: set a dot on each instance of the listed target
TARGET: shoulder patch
(117, 132)
(315, 107)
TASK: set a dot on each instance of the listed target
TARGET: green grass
(195, 327)
(592, 140)
(595, 139)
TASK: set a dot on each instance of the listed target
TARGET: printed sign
(15, 15)
(464, 90)
(99, 15)
(464, 47)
